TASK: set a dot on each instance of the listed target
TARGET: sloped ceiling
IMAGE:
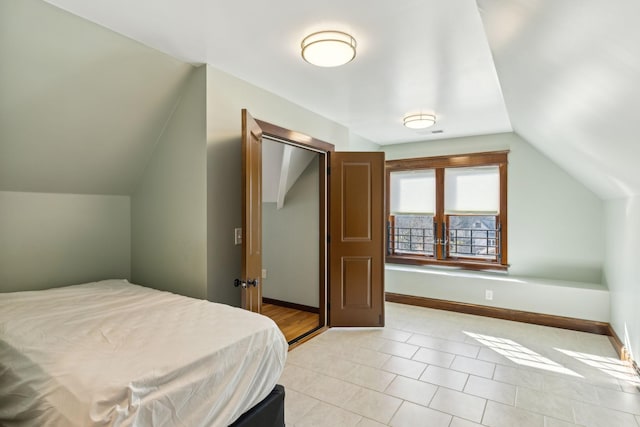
(278, 175)
(563, 74)
(570, 75)
(413, 56)
(81, 107)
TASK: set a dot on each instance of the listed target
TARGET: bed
(113, 353)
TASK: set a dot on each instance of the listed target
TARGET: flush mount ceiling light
(328, 48)
(419, 121)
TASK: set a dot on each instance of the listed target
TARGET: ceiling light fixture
(419, 121)
(328, 48)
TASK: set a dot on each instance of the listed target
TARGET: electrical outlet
(264, 273)
(237, 236)
(488, 295)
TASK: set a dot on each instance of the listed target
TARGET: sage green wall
(622, 270)
(168, 209)
(290, 240)
(555, 223)
(81, 107)
(226, 96)
(49, 240)
(556, 238)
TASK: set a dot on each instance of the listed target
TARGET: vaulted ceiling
(564, 74)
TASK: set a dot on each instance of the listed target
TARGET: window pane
(473, 236)
(472, 190)
(413, 192)
(413, 234)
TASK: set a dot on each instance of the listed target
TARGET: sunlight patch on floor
(616, 368)
(520, 354)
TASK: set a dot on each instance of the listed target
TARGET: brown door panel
(356, 286)
(251, 214)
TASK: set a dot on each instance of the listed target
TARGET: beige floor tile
(363, 356)
(489, 355)
(544, 403)
(334, 366)
(444, 377)
(492, 390)
(552, 422)
(399, 349)
(459, 422)
(325, 415)
(447, 346)
(620, 401)
(519, 377)
(374, 405)
(630, 385)
(404, 367)
(297, 405)
(412, 415)
(296, 378)
(596, 416)
(434, 357)
(330, 390)
(476, 367)
(412, 390)
(391, 334)
(499, 415)
(370, 342)
(368, 377)
(321, 374)
(571, 389)
(459, 404)
(366, 422)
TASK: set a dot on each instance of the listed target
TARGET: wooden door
(251, 214)
(356, 258)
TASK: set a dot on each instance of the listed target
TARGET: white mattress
(115, 354)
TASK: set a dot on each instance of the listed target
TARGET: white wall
(168, 209)
(290, 241)
(555, 227)
(226, 96)
(51, 240)
(622, 270)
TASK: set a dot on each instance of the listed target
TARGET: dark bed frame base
(268, 413)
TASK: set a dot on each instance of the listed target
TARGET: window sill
(466, 264)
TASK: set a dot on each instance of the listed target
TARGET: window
(448, 210)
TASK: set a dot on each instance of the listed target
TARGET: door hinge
(328, 170)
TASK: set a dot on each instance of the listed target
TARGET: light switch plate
(237, 238)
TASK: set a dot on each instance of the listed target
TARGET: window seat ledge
(494, 276)
(589, 301)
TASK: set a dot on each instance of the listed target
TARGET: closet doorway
(350, 228)
(291, 203)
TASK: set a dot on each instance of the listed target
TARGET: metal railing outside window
(459, 242)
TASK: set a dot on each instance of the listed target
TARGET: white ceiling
(564, 74)
(408, 60)
(570, 73)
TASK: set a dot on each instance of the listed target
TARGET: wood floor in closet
(291, 322)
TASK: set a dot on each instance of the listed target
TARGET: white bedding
(115, 354)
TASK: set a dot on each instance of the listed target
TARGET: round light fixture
(328, 48)
(419, 121)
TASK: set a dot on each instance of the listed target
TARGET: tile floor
(435, 368)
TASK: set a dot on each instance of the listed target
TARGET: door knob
(242, 283)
